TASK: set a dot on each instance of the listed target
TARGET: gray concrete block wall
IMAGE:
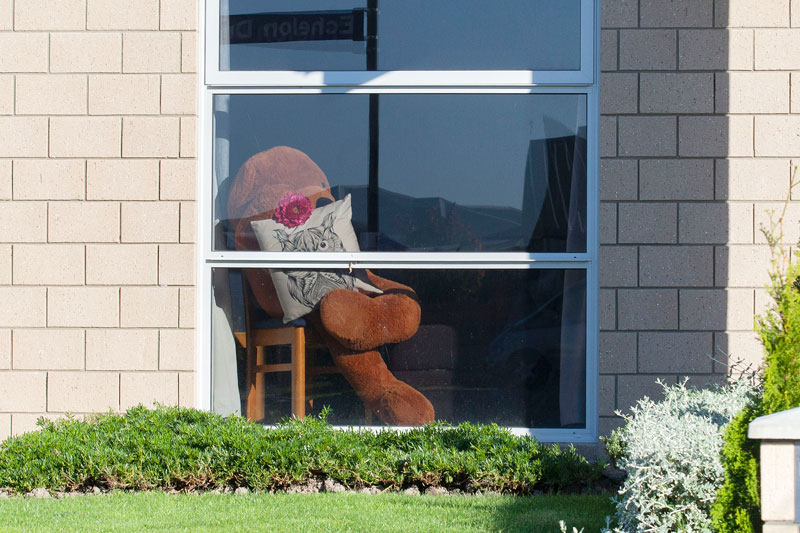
(699, 135)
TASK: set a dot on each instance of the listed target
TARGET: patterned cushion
(328, 229)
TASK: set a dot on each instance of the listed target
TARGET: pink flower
(293, 210)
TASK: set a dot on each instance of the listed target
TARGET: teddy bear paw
(402, 405)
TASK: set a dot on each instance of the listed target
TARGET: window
(463, 135)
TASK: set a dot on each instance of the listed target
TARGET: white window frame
(586, 82)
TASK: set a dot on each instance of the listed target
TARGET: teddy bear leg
(360, 322)
(394, 402)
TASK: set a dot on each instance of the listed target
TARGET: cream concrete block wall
(700, 131)
(97, 196)
(700, 113)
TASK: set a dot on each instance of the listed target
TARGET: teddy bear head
(269, 176)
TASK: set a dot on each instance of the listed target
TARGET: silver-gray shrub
(671, 452)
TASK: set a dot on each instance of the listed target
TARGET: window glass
(425, 172)
(408, 35)
(493, 346)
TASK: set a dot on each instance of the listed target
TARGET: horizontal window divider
(400, 78)
(393, 257)
(472, 265)
(383, 89)
(395, 260)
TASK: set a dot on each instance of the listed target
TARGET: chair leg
(256, 385)
(299, 373)
(261, 385)
(250, 381)
(309, 405)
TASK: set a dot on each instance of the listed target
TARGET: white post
(780, 470)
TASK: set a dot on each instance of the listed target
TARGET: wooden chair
(273, 332)
(261, 334)
(255, 343)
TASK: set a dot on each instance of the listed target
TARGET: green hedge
(184, 449)
(737, 507)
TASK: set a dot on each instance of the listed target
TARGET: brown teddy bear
(351, 323)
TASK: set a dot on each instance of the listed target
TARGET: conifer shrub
(185, 449)
(737, 509)
(670, 451)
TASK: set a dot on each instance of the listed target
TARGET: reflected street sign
(300, 26)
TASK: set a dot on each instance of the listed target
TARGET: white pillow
(328, 229)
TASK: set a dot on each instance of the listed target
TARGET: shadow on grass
(542, 513)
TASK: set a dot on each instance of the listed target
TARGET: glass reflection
(425, 172)
(493, 346)
(400, 35)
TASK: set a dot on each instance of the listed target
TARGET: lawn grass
(158, 511)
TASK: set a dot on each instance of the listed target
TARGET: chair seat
(279, 334)
(265, 322)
